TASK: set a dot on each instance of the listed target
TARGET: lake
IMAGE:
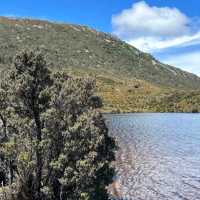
(159, 156)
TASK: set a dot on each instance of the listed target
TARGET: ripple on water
(159, 156)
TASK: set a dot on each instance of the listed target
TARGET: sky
(167, 29)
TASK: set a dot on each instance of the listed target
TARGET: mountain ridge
(128, 79)
(96, 49)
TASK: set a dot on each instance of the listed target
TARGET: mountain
(128, 79)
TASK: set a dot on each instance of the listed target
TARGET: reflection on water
(159, 156)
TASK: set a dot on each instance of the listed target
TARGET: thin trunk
(11, 172)
(4, 126)
(36, 115)
(38, 157)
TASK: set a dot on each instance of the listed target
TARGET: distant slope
(80, 46)
(127, 79)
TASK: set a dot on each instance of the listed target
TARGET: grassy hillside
(128, 79)
(133, 95)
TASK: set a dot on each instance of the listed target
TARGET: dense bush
(54, 144)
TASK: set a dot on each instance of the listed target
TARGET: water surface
(159, 156)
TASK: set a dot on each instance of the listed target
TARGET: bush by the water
(54, 144)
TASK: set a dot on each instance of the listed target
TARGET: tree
(56, 144)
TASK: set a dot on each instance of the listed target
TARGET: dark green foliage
(54, 145)
(177, 101)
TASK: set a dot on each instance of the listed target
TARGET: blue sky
(168, 29)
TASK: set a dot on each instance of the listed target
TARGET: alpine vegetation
(54, 144)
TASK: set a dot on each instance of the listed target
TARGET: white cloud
(151, 44)
(187, 61)
(145, 20)
(153, 28)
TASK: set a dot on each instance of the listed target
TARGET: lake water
(159, 156)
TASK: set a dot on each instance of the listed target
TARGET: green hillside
(128, 79)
